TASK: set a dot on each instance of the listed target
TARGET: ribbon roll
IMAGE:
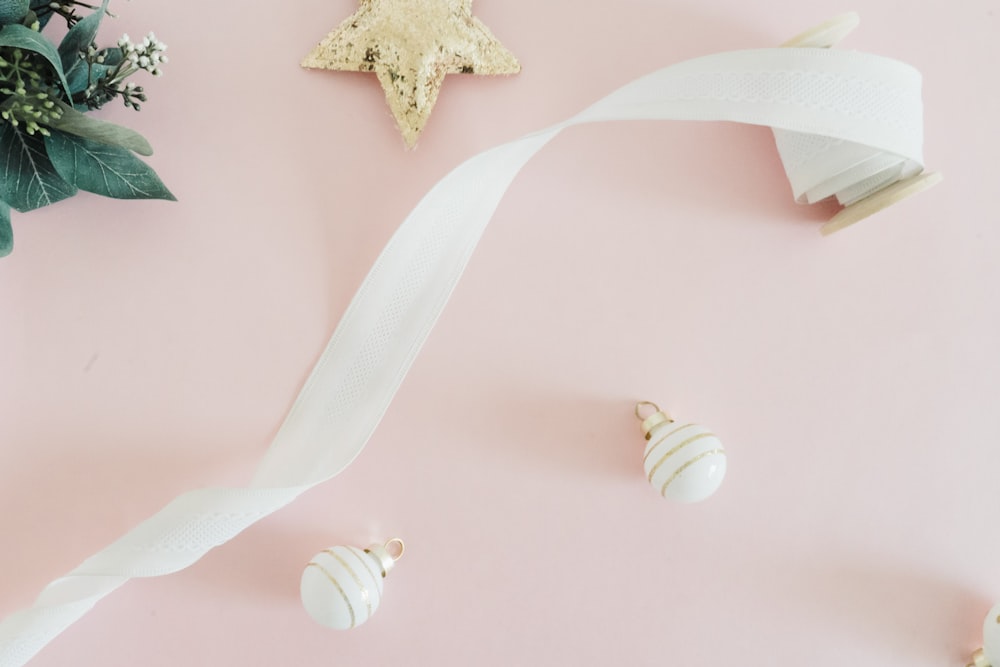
(847, 123)
(862, 179)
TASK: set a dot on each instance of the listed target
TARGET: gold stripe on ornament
(359, 555)
(657, 443)
(682, 445)
(663, 491)
(663, 439)
(354, 576)
(340, 589)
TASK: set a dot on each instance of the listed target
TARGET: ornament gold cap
(650, 420)
(979, 660)
(387, 554)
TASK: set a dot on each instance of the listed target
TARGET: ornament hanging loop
(650, 420)
(641, 409)
(395, 548)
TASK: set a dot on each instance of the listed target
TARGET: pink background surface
(149, 348)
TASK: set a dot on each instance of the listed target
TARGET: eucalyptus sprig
(50, 148)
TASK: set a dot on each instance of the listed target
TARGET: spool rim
(825, 34)
(881, 200)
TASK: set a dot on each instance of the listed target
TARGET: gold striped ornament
(683, 462)
(342, 586)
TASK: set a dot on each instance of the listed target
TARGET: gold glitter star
(411, 45)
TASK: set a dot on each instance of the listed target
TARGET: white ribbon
(846, 124)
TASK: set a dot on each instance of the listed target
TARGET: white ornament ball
(684, 462)
(991, 636)
(342, 586)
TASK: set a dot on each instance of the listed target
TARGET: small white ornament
(342, 586)
(989, 655)
(685, 462)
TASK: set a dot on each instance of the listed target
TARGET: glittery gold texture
(680, 471)
(675, 449)
(364, 564)
(654, 445)
(340, 589)
(411, 45)
(356, 578)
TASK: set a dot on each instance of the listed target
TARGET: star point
(411, 45)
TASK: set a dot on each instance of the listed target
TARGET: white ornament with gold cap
(683, 462)
(342, 586)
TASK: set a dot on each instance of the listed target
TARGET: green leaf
(82, 125)
(106, 170)
(78, 39)
(28, 180)
(20, 37)
(12, 10)
(6, 233)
